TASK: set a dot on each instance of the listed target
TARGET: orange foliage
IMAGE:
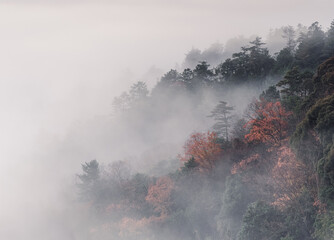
(268, 123)
(159, 195)
(289, 175)
(245, 163)
(130, 227)
(205, 150)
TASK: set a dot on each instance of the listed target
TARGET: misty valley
(235, 144)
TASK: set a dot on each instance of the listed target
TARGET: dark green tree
(253, 62)
(309, 53)
(296, 83)
(190, 165)
(203, 75)
(261, 222)
(271, 94)
(289, 34)
(284, 60)
(329, 43)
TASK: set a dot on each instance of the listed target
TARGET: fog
(63, 62)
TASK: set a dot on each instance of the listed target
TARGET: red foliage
(268, 123)
(205, 150)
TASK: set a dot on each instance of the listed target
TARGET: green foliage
(236, 197)
(294, 104)
(320, 118)
(264, 221)
(284, 60)
(261, 222)
(310, 49)
(324, 226)
(299, 217)
(189, 166)
(91, 173)
(323, 82)
(270, 95)
(296, 83)
(220, 205)
(89, 184)
(252, 63)
(329, 43)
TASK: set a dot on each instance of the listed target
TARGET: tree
(120, 171)
(135, 191)
(238, 130)
(203, 76)
(235, 199)
(271, 94)
(222, 115)
(268, 123)
(127, 100)
(289, 34)
(89, 179)
(172, 80)
(122, 103)
(261, 221)
(295, 87)
(284, 60)
(205, 150)
(187, 76)
(189, 165)
(309, 53)
(296, 83)
(289, 176)
(253, 62)
(329, 43)
(159, 195)
(138, 91)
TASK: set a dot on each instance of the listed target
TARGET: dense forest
(264, 170)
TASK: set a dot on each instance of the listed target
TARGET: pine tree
(222, 115)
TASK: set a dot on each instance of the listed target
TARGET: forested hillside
(264, 170)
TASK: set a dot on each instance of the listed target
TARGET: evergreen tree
(253, 62)
(309, 53)
(329, 44)
(296, 83)
(271, 94)
(89, 179)
(222, 115)
(289, 34)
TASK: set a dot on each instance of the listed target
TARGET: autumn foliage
(159, 195)
(289, 176)
(244, 164)
(268, 123)
(205, 150)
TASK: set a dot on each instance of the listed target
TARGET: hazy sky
(65, 60)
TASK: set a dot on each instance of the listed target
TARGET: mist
(63, 63)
